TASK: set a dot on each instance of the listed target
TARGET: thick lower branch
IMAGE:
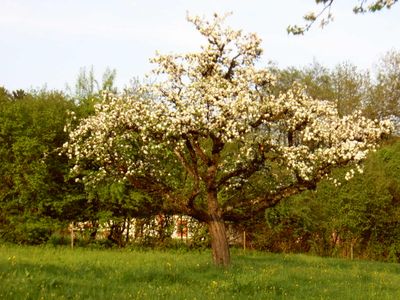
(245, 171)
(249, 208)
(204, 158)
(191, 169)
(172, 203)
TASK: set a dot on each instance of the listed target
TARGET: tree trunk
(216, 226)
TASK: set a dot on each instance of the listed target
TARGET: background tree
(212, 120)
(384, 98)
(32, 185)
(345, 86)
(350, 88)
(87, 89)
(359, 219)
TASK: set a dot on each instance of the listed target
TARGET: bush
(59, 239)
(27, 230)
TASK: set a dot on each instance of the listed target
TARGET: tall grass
(61, 273)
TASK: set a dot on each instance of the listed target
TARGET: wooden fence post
(72, 234)
(244, 240)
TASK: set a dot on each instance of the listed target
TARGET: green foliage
(27, 229)
(360, 217)
(87, 90)
(344, 85)
(32, 172)
(383, 101)
(288, 227)
(59, 239)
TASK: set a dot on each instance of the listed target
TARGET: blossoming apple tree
(208, 125)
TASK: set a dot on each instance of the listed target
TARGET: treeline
(358, 218)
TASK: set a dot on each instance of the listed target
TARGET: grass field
(61, 273)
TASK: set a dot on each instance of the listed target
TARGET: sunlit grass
(61, 273)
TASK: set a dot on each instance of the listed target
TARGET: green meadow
(62, 273)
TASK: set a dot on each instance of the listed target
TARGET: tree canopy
(32, 187)
(209, 125)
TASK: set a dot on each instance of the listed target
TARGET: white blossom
(218, 94)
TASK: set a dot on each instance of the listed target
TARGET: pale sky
(46, 42)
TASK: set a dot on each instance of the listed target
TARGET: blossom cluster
(217, 97)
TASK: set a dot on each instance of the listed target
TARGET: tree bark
(216, 226)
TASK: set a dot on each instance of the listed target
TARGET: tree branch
(232, 65)
(244, 171)
(185, 163)
(248, 208)
(175, 204)
(311, 18)
(204, 158)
